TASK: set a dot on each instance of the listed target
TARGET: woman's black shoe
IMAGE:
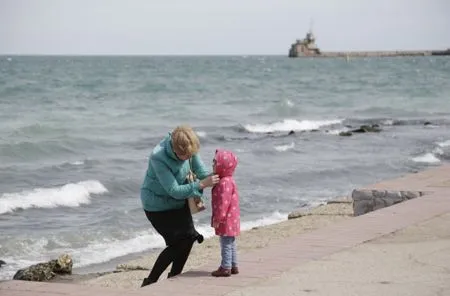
(146, 282)
(200, 238)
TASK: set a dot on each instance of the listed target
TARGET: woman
(164, 197)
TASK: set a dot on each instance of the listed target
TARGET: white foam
(289, 125)
(100, 252)
(201, 134)
(388, 122)
(444, 144)
(337, 132)
(69, 195)
(427, 158)
(283, 148)
(275, 218)
(78, 162)
(438, 151)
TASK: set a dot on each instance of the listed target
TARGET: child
(225, 211)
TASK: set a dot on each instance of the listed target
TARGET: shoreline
(129, 274)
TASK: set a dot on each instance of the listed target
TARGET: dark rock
(2, 263)
(345, 134)
(291, 133)
(368, 129)
(427, 123)
(46, 271)
(298, 214)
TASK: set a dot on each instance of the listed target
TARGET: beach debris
(126, 267)
(46, 271)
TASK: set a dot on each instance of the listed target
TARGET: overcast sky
(218, 26)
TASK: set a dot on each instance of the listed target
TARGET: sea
(76, 133)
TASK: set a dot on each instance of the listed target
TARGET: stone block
(367, 200)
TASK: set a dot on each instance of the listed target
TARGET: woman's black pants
(177, 229)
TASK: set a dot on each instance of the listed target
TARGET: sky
(214, 27)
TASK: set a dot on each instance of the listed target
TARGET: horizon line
(128, 55)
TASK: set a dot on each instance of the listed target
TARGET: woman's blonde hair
(185, 141)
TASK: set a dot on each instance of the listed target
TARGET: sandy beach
(129, 275)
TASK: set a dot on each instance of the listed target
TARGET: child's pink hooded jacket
(225, 197)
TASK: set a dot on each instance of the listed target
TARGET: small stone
(297, 214)
(345, 134)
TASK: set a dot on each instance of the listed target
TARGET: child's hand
(215, 224)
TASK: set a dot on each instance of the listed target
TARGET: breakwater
(352, 54)
(307, 47)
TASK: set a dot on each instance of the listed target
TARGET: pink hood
(226, 163)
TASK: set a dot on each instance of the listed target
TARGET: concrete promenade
(400, 250)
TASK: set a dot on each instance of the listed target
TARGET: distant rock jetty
(307, 48)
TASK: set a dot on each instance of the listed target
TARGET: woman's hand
(209, 181)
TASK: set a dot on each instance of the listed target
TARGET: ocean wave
(201, 134)
(438, 154)
(37, 129)
(288, 125)
(427, 158)
(284, 148)
(106, 250)
(26, 150)
(69, 195)
(337, 132)
(444, 144)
